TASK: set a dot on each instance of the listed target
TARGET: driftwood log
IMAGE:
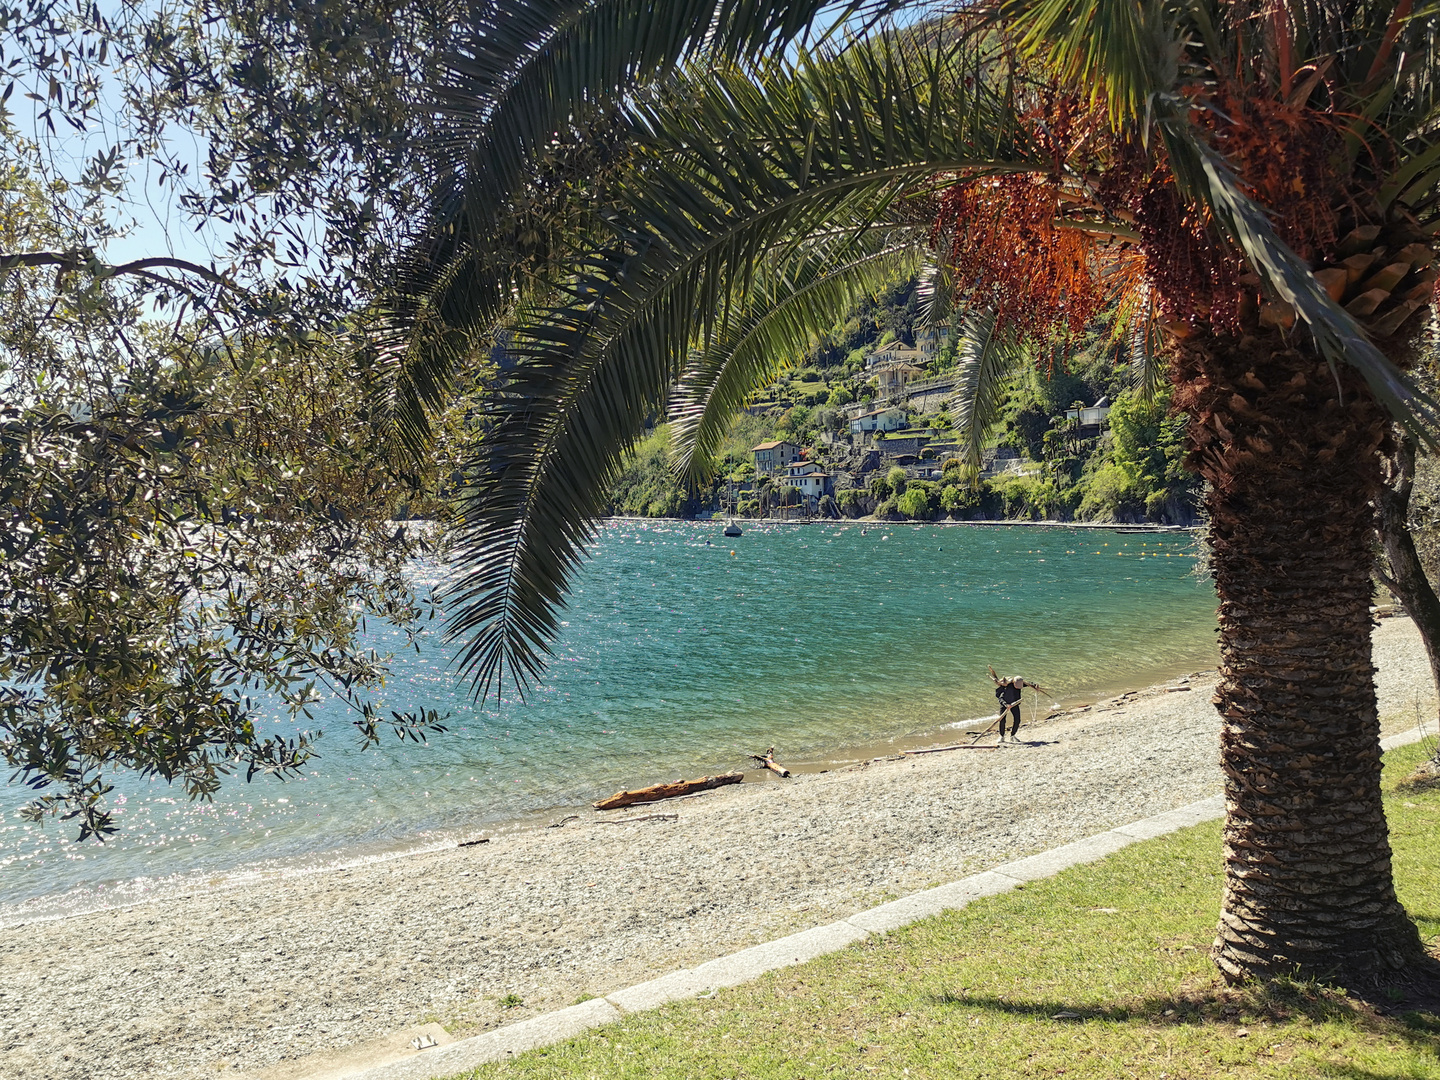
(667, 791)
(767, 759)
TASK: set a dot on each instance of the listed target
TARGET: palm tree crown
(1252, 186)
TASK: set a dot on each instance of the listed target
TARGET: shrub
(1157, 504)
(1109, 492)
(797, 425)
(646, 485)
(896, 479)
(880, 487)
(1027, 434)
(851, 502)
(917, 503)
(1031, 497)
(667, 504)
(957, 498)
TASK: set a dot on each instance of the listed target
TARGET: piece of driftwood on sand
(767, 760)
(667, 791)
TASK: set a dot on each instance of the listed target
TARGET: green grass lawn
(974, 993)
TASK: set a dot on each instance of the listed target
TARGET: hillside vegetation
(1131, 471)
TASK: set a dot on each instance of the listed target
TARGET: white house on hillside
(808, 478)
(1090, 417)
(878, 420)
(895, 352)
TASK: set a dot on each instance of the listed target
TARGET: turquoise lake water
(677, 658)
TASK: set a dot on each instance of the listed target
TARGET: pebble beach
(298, 976)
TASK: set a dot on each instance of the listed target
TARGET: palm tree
(1121, 146)
(1289, 443)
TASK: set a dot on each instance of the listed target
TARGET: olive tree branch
(80, 259)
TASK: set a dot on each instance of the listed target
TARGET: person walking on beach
(1009, 692)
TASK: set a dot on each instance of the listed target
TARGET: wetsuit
(1008, 694)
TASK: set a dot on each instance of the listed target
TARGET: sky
(148, 212)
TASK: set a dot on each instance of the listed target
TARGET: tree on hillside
(1215, 151)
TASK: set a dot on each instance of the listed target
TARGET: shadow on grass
(1229, 1009)
(1276, 1002)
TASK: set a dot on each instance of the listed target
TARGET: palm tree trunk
(1293, 465)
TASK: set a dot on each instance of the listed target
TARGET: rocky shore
(273, 980)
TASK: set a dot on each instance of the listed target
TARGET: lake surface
(678, 657)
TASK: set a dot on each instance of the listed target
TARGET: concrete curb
(502, 1043)
(747, 964)
(1405, 738)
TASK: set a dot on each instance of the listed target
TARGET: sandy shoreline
(254, 981)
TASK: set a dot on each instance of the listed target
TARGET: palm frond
(1121, 52)
(1136, 329)
(937, 290)
(1413, 181)
(781, 316)
(526, 73)
(583, 381)
(418, 344)
(528, 67)
(738, 168)
(1147, 369)
(988, 361)
(445, 300)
